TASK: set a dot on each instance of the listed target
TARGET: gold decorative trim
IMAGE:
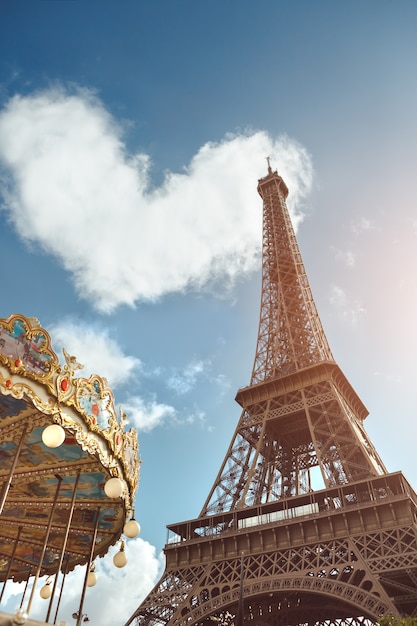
(83, 406)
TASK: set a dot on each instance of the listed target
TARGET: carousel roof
(53, 501)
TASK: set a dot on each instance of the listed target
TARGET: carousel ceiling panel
(52, 500)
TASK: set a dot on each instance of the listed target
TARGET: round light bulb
(19, 617)
(113, 488)
(131, 528)
(91, 579)
(46, 591)
(120, 559)
(53, 436)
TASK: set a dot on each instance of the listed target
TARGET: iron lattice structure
(303, 524)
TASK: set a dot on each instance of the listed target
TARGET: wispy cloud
(183, 381)
(350, 310)
(389, 377)
(70, 186)
(147, 415)
(347, 257)
(362, 225)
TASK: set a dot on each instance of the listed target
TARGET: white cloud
(183, 382)
(363, 224)
(147, 415)
(338, 296)
(95, 350)
(70, 186)
(347, 257)
(115, 597)
(349, 309)
(199, 417)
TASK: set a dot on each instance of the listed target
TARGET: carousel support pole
(48, 530)
(25, 589)
(90, 560)
(64, 545)
(9, 567)
(7, 485)
(62, 590)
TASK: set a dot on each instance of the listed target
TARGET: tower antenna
(269, 165)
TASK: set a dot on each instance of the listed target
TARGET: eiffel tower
(303, 525)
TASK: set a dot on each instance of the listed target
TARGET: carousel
(68, 471)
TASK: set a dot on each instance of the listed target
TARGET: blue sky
(132, 136)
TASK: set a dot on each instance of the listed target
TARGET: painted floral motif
(95, 402)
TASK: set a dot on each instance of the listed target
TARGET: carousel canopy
(61, 441)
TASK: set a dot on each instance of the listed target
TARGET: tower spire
(290, 335)
(269, 165)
